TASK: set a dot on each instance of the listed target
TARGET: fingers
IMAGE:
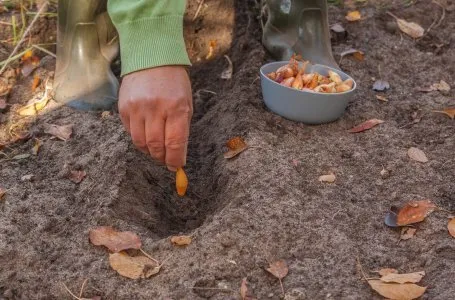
(176, 140)
(137, 131)
(154, 136)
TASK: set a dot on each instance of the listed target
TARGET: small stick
(44, 6)
(208, 288)
(201, 2)
(14, 57)
(82, 287)
(282, 288)
(149, 256)
(71, 293)
(361, 268)
(44, 50)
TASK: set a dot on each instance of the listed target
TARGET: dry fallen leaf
(359, 55)
(62, 132)
(365, 125)
(441, 86)
(114, 240)
(417, 155)
(450, 225)
(382, 98)
(212, 46)
(34, 107)
(181, 240)
(407, 233)
(414, 212)
(236, 145)
(243, 289)
(330, 178)
(450, 112)
(412, 29)
(2, 193)
(29, 65)
(227, 73)
(403, 278)
(386, 271)
(77, 176)
(279, 269)
(36, 147)
(395, 291)
(133, 267)
(181, 182)
(353, 16)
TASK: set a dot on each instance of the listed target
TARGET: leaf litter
(227, 73)
(62, 132)
(407, 233)
(415, 212)
(77, 176)
(353, 16)
(450, 112)
(133, 267)
(412, 29)
(2, 193)
(181, 240)
(279, 269)
(450, 225)
(393, 290)
(417, 155)
(365, 125)
(235, 145)
(114, 240)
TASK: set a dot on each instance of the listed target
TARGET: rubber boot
(86, 46)
(301, 27)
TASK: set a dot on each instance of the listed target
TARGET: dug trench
(264, 205)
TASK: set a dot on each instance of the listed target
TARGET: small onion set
(293, 76)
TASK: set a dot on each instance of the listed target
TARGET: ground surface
(267, 204)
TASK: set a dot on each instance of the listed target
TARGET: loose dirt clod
(77, 176)
(330, 178)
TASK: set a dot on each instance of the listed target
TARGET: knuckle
(175, 144)
(140, 143)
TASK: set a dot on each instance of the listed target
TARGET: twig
(282, 288)
(14, 57)
(82, 287)
(208, 288)
(71, 293)
(149, 256)
(201, 2)
(361, 268)
(443, 13)
(43, 7)
(44, 50)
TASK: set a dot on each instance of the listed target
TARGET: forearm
(150, 31)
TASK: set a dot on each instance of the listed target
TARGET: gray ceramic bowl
(304, 106)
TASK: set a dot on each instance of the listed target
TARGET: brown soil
(267, 204)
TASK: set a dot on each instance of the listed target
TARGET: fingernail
(172, 169)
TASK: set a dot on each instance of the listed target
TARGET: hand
(156, 106)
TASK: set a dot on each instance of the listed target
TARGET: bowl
(304, 106)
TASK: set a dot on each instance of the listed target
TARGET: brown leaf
(450, 112)
(407, 233)
(403, 278)
(353, 16)
(34, 107)
(450, 225)
(181, 182)
(279, 269)
(243, 289)
(62, 132)
(406, 291)
(114, 240)
(365, 125)
(181, 240)
(412, 29)
(382, 98)
(386, 271)
(36, 147)
(330, 178)
(30, 65)
(2, 193)
(414, 212)
(359, 55)
(417, 155)
(77, 176)
(133, 267)
(236, 145)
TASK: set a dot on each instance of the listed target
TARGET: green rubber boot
(301, 27)
(87, 43)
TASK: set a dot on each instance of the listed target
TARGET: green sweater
(150, 31)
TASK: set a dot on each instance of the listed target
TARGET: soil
(264, 205)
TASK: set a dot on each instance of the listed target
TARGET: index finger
(176, 141)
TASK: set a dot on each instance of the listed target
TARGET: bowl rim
(261, 70)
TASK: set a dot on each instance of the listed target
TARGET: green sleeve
(150, 31)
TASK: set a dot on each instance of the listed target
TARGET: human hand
(155, 107)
